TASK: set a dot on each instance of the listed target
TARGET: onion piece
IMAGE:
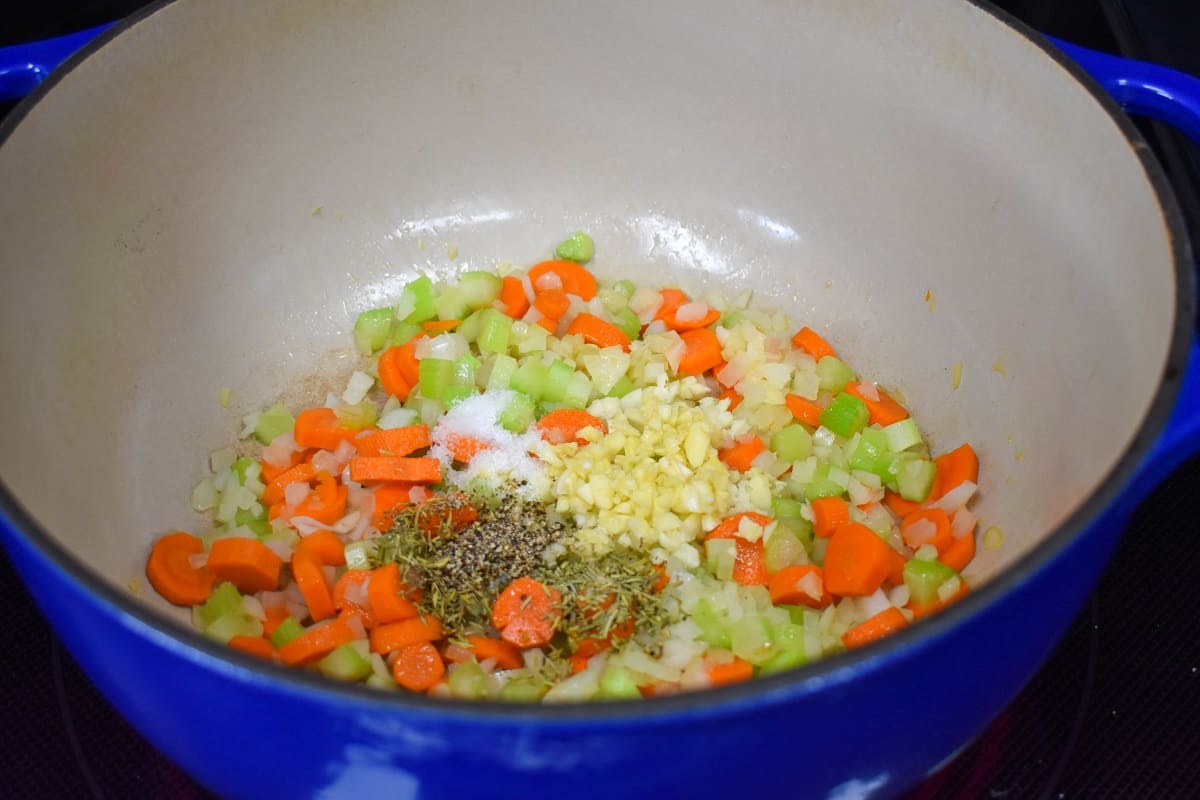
(548, 281)
(282, 549)
(279, 452)
(956, 498)
(691, 312)
(920, 532)
(197, 560)
(963, 523)
(294, 493)
(869, 392)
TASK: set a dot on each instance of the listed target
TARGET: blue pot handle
(24, 66)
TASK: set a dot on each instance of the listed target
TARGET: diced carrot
(564, 425)
(668, 312)
(395, 441)
(418, 667)
(857, 561)
(552, 303)
(170, 571)
(512, 297)
(393, 468)
(406, 360)
(882, 624)
(732, 396)
(357, 598)
(829, 514)
(729, 672)
(275, 617)
(896, 575)
(449, 513)
(527, 613)
(550, 325)
(672, 299)
(325, 546)
(505, 654)
(813, 343)
(321, 428)
(953, 468)
(940, 537)
(301, 473)
(391, 377)
(959, 552)
(728, 527)
(326, 503)
(317, 642)
(440, 325)
(803, 409)
(883, 411)
(663, 578)
(463, 447)
(749, 565)
(741, 455)
(308, 575)
(390, 637)
(270, 472)
(247, 563)
(899, 506)
(575, 279)
(253, 645)
(388, 498)
(791, 586)
(388, 596)
(702, 351)
(598, 331)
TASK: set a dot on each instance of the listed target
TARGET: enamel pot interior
(207, 200)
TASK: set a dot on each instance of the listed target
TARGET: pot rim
(787, 686)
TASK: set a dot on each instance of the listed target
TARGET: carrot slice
(953, 468)
(253, 645)
(803, 409)
(463, 447)
(672, 299)
(527, 613)
(857, 561)
(406, 360)
(899, 506)
(829, 514)
(301, 473)
(247, 563)
(729, 672)
(270, 472)
(564, 425)
(326, 503)
(574, 279)
(813, 343)
(171, 573)
(391, 377)
(395, 442)
(668, 312)
(959, 552)
(791, 585)
(552, 303)
(440, 325)
(348, 586)
(732, 396)
(598, 332)
(388, 498)
(882, 624)
(702, 351)
(321, 428)
(940, 537)
(741, 454)
(418, 667)
(275, 617)
(512, 297)
(749, 564)
(505, 654)
(883, 411)
(392, 636)
(307, 572)
(391, 468)
(388, 596)
(317, 642)
(325, 546)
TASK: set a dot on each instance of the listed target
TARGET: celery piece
(274, 421)
(247, 519)
(579, 391)
(468, 681)
(236, 623)
(720, 556)
(371, 329)
(494, 332)
(628, 322)
(622, 387)
(225, 599)
(240, 466)
(795, 613)
(783, 549)
(456, 393)
(750, 639)
(472, 325)
(358, 554)
(821, 485)
(345, 664)
(416, 301)
(403, 332)
(799, 526)
(902, 435)
(784, 660)
(503, 369)
(530, 379)
(479, 289)
(465, 367)
(845, 415)
(625, 287)
(558, 378)
(712, 623)
(577, 247)
(792, 442)
(450, 303)
(286, 631)
(522, 690)
(357, 416)
(834, 374)
(434, 376)
(517, 416)
(914, 477)
(924, 578)
(873, 453)
(616, 683)
(785, 507)
(789, 645)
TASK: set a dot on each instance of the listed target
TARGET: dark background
(1114, 713)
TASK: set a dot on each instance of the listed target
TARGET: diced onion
(197, 560)
(272, 599)
(899, 595)
(281, 549)
(297, 610)
(869, 392)
(963, 523)
(307, 525)
(252, 607)
(279, 452)
(356, 592)
(548, 281)
(956, 498)
(294, 493)
(920, 532)
(691, 312)
(357, 387)
(676, 352)
(874, 604)
(446, 346)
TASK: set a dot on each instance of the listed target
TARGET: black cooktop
(1114, 713)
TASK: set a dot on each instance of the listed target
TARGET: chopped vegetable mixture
(545, 486)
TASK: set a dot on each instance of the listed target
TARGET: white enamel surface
(159, 241)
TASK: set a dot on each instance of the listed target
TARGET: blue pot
(867, 723)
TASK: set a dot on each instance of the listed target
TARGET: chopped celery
(902, 435)
(628, 322)
(783, 549)
(358, 416)
(286, 631)
(522, 690)
(464, 370)
(720, 556)
(225, 599)
(617, 684)
(786, 507)
(479, 289)
(503, 369)
(578, 247)
(785, 660)
(750, 638)
(456, 394)
(625, 287)
(789, 645)
(434, 376)
(468, 681)
(834, 374)
(274, 421)
(914, 477)
(845, 415)
(924, 578)
(494, 332)
(471, 327)
(345, 664)
(873, 453)
(236, 623)
(713, 624)
(403, 332)
(558, 378)
(822, 485)
(517, 416)
(622, 387)
(799, 526)
(371, 329)
(240, 466)
(530, 379)
(450, 303)
(358, 554)
(791, 442)
(579, 391)
(416, 301)
(258, 524)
